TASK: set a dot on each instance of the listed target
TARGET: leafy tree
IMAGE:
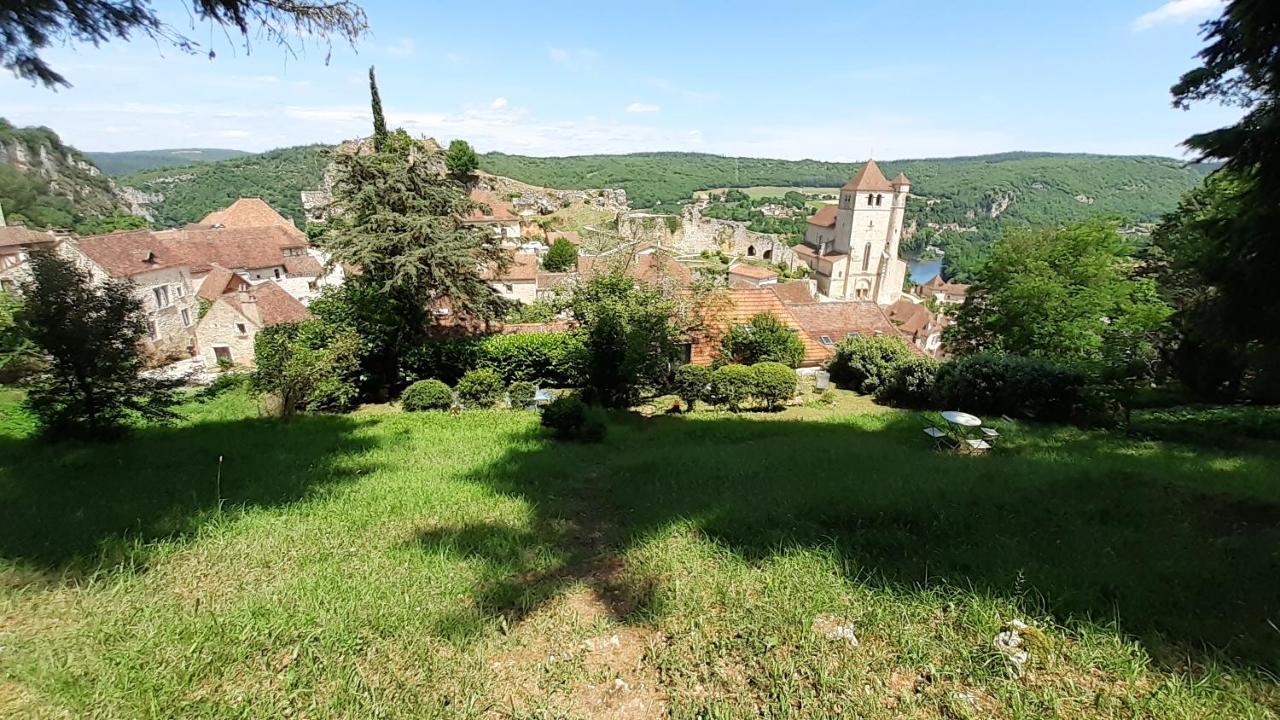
(630, 335)
(309, 365)
(562, 256)
(18, 355)
(111, 223)
(379, 122)
(399, 221)
(28, 27)
(89, 384)
(764, 339)
(461, 159)
(1072, 296)
(1221, 247)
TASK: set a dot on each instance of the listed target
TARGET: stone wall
(692, 233)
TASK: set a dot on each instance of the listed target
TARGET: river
(923, 270)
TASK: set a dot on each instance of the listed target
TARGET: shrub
(865, 362)
(521, 394)
(427, 395)
(480, 388)
(911, 384)
(732, 385)
(569, 418)
(561, 256)
(553, 358)
(775, 383)
(764, 339)
(692, 384)
(310, 365)
(1010, 385)
(222, 384)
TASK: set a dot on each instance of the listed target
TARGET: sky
(837, 81)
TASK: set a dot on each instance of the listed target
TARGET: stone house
(943, 291)
(226, 332)
(495, 215)
(921, 327)
(852, 246)
(752, 275)
(161, 274)
(519, 282)
(16, 244)
(830, 322)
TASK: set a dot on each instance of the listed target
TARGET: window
(186, 317)
(241, 329)
(870, 200)
(509, 287)
(849, 335)
(162, 296)
(152, 332)
(222, 354)
(826, 340)
(866, 257)
(277, 272)
(179, 290)
(879, 199)
(751, 251)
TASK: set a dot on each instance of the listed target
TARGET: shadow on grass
(1079, 526)
(75, 507)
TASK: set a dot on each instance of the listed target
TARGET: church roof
(869, 178)
(901, 180)
(825, 217)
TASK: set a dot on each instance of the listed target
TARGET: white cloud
(403, 48)
(1177, 11)
(639, 107)
(559, 55)
(498, 103)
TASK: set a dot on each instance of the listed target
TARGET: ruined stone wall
(691, 234)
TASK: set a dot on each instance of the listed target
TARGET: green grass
(396, 565)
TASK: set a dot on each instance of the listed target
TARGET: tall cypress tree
(379, 122)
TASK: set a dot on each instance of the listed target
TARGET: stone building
(16, 244)
(852, 246)
(225, 335)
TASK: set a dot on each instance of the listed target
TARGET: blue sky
(827, 80)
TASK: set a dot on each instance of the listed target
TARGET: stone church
(852, 246)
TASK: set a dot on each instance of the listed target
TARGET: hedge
(1009, 385)
(557, 359)
(865, 362)
(910, 384)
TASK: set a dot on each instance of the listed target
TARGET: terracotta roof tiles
(737, 306)
(825, 217)
(869, 178)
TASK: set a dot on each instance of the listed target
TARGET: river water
(923, 270)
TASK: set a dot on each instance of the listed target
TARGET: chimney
(249, 306)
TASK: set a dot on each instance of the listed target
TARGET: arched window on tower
(866, 257)
(870, 200)
(879, 199)
(751, 251)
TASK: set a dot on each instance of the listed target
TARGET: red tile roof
(499, 211)
(523, 268)
(825, 217)
(728, 308)
(937, 284)
(901, 180)
(810, 251)
(653, 267)
(753, 271)
(793, 293)
(869, 178)
(247, 213)
(302, 266)
(18, 235)
(125, 254)
(275, 304)
(219, 282)
(910, 317)
(837, 320)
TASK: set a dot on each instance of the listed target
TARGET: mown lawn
(405, 566)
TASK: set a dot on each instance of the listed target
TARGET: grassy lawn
(405, 566)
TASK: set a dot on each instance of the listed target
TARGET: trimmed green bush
(764, 339)
(427, 395)
(569, 418)
(521, 394)
(692, 383)
(911, 384)
(1009, 385)
(481, 388)
(558, 359)
(865, 362)
(775, 383)
(732, 385)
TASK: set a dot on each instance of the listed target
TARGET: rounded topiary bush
(521, 394)
(865, 362)
(911, 384)
(775, 383)
(732, 385)
(692, 383)
(480, 388)
(569, 418)
(426, 395)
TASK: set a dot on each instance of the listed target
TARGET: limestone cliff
(48, 183)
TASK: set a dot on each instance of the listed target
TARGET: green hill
(189, 193)
(123, 163)
(45, 183)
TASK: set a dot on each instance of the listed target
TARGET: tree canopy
(29, 27)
